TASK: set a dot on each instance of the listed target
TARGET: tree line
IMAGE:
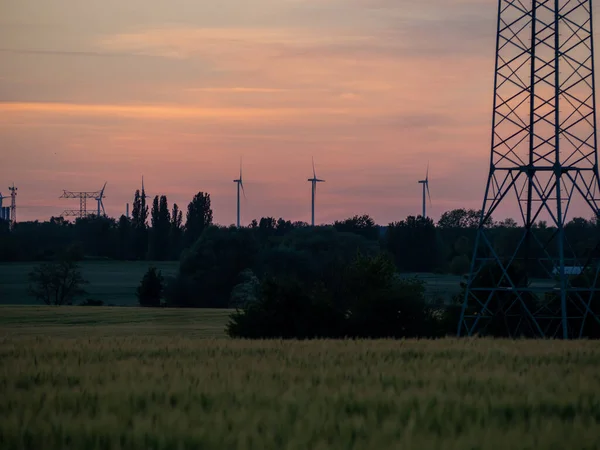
(158, 232)
(287, 279)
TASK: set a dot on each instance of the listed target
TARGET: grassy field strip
(111, 321)
(113, 282)
(169, 392)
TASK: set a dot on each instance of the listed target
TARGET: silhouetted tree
(283, 227)
(125, 235)
(56, 283)
(462, 218)
(413, 243)
(161, 227)
(267, 227)
(176, 232)
(287, 309)
(150, 290)
(507, 223)
(211, 267)
(199, 217)
(362, 225)
(139, 218)
(374, 303)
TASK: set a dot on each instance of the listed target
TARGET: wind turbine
(426, 193)
(143, 193)
(100, 202)
(314, 180)
(143, 197)
(240, 184)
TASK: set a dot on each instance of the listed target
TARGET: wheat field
(139, 391)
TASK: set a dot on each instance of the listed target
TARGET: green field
(113, 282)
(130, 378)
(88, 321)
(438, 287)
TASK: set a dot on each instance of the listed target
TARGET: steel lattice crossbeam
(82, 196)
(544, 165)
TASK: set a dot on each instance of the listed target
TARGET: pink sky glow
(179, 90)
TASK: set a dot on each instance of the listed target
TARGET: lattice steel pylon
(83, 197)
(543, 160)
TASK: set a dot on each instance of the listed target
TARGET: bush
(246, 292)
(373, 302)
(151, 288)
(286, 309)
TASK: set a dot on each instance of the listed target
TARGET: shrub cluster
(370, 301)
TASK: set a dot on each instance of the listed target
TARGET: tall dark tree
(199, 216)
(139, 218)
(161, 226)
(176, 232)
(154, 212)
(139, 213)
(413, 243)
(124, 239)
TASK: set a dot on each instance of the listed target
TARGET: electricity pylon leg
(543, 165)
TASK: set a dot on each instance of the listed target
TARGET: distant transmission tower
(543, 164)
(83, 197)
(13, 206)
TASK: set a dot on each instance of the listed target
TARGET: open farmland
(75, 386)
(78, 321)
(113, 282)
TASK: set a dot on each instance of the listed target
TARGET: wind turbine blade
(313, 164)
(103, 210)
(428, 194)
(241, 169)
(243, 190)
(427, 173)
(102, 191)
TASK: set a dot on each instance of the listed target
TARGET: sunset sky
(179, 90)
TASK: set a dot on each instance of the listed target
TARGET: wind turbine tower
(100, 202)
(240, 185)
(426, 193)
(314, 180)
(143, 193)
(143, 197)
